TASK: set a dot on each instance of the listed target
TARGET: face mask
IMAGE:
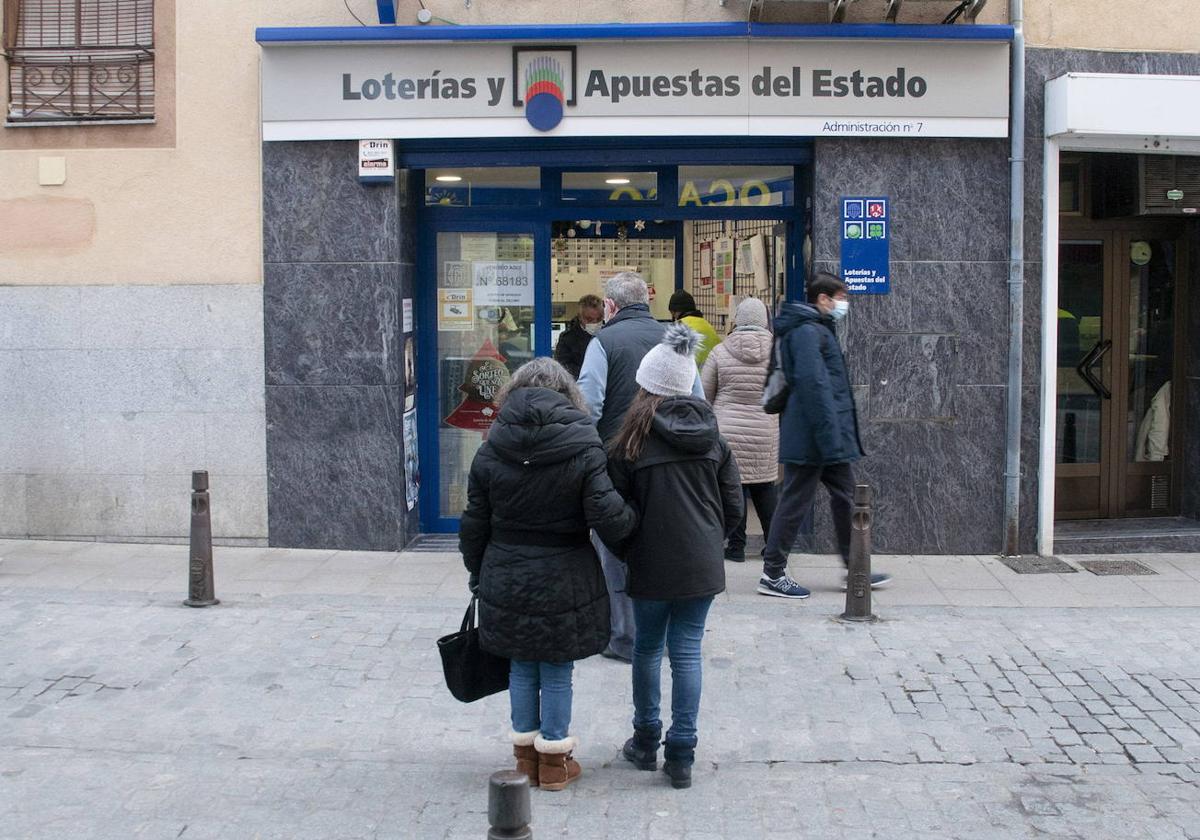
(592, 329)
(841, 308)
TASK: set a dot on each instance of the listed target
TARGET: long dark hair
(636, 425)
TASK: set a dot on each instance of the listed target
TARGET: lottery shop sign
(638, 87)
(866, 223)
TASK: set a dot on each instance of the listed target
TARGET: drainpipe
(1016, 284)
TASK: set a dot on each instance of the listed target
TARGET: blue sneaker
(878, 581)
(781, 587)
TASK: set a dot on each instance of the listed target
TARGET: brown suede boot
(526, 755)
(556, 767)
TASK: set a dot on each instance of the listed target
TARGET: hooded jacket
(733, 380)
(686, 487)
(695, 320)
(572, 346)
(819, 425)
(535, 488)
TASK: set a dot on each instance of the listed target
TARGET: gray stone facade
(339, 258)
(928, 360)
(113, 395)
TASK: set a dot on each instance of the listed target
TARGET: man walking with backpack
(818, 429)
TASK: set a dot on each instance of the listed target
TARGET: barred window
(73, 61)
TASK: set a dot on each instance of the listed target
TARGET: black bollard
(200, 558)
(858, 580)
(508, 806)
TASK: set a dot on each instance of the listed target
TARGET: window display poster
(477, 246)
(455, 310)
(457, 274)
(865, 250)
(503, 283)
(758, 259)
(723, 265)
(410, 374)
(706, 263)
(412, 469)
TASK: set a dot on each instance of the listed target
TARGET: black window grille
(80, 60)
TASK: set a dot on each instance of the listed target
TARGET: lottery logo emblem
(853, 230)
(852, 209)
(543, 84)
(875, 230)
(876, 209)
(544, 93)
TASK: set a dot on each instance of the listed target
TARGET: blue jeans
(680, 625)
(616, 575)
(540, 694)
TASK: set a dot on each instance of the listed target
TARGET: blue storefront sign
(865, 223)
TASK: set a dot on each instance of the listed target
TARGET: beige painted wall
(189, 212)
(1157, 25)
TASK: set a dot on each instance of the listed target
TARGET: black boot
(642, 748)
(677, 764)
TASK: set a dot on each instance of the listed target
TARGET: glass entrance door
(488, 284)
(1117, 364)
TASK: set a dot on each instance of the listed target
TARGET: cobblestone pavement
(324, 715)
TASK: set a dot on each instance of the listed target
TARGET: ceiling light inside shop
(448, 178)
(616, 181)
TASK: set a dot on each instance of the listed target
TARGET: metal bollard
(508, 806)
(858, 582)
(200, 558)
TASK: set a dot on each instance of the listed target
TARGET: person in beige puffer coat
(733, 378)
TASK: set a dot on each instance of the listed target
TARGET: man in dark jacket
(572, 344)
(607, 380)
(818, 429)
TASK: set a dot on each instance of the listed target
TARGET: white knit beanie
(669, 369)
(751, 312)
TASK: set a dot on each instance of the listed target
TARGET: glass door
(1118, 360)
(486, 285)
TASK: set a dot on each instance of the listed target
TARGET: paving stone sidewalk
(297, 713)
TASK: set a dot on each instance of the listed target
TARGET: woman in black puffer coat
(535, 488)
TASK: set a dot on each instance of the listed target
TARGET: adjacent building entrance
(1120, 369)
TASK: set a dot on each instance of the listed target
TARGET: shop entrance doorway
(1120, 367)
(506, 250)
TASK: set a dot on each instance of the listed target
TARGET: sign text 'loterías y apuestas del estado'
(765, 87)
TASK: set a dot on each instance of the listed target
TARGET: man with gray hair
(608, 382)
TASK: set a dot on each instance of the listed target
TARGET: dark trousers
(765, 496)
(799, 486)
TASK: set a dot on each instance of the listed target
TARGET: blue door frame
(555, 158)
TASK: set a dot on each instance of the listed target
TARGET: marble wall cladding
(113, 395)
(334, 467)
(332, 323)
(929, 359)
(338, 262)
(912, 377)
(315, 209)
(949, 198)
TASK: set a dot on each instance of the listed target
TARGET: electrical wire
(346, 3)
(957, 11)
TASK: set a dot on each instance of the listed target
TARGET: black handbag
(471, 672)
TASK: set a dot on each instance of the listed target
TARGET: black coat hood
(540, 426)
(687, 424)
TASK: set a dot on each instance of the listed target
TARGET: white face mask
(841, 308)
(593, 328)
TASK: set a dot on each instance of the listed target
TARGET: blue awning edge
(633, 31)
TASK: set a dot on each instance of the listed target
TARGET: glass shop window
(492, 186)
(736, 186)
(610, 187)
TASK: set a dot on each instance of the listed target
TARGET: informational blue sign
(865, 235)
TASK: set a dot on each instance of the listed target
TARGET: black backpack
(776, 389)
